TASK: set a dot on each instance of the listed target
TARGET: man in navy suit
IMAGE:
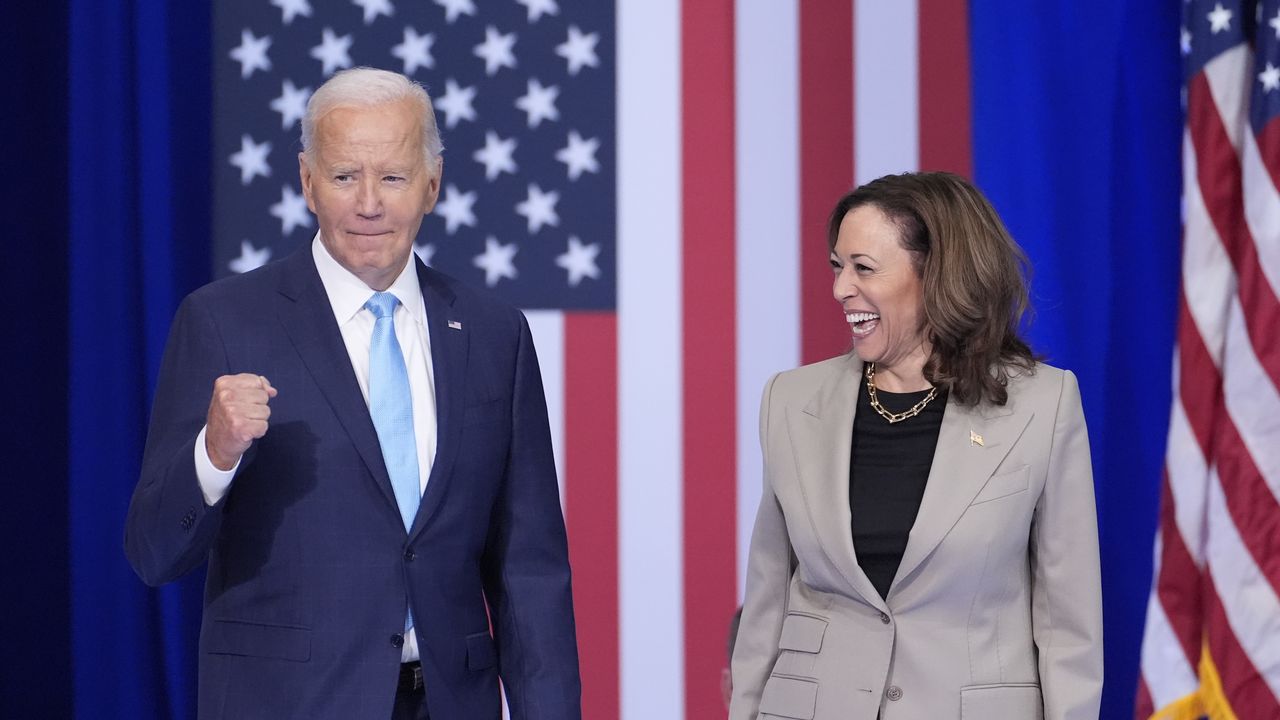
(359, 446)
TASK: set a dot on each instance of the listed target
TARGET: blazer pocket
(1011, 701)
(789, 697)
(1003, 485)
(802, 633)
(250, 639)
(481, 653)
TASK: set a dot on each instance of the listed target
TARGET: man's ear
(433, 185)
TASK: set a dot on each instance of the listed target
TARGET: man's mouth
(862, 323)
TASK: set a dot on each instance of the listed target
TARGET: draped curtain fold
(139, 240)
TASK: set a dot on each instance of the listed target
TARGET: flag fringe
(1208, 701)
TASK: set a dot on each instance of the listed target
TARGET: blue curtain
(139, 134)
(1077, 132)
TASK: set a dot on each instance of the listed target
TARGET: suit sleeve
(526, 563)
(770, 564)
(169, 528)
(1066, 578)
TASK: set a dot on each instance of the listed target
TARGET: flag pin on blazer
(455, 325)
(975, 439)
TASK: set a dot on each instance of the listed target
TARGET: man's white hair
(365, 87)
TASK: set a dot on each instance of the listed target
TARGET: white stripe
(547, 327)
(1188, 478)
(768, 272)
(1164, 665)
(1262, 211)
(886, 104)
(649, 360)
(1207, 278)
(1252, 401)
(1229, 84)
(1250, 603)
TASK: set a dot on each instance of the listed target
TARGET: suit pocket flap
(480, 651)
(234, 637)
(1004, 484)
(1018, 700)
(802, 633)
(789, 697)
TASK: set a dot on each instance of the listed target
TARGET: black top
(887, 474)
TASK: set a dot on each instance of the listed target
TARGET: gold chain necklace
(913, 411)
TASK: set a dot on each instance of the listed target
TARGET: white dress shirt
(347, 296)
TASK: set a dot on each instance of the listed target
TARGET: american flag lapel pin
(455, 325)
(975, 439)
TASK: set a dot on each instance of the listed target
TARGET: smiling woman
(926, 543)
(932, 248)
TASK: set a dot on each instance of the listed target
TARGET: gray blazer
(996, 609)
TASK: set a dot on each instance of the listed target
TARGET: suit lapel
(822, 435)
(307, 317)
(971, 444)
(449, 330)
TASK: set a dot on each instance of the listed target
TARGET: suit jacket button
(409, 556)
(894, 693)
(397, 640)
(884, 618)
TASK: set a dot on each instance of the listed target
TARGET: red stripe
(709, 347)
(1143, 707)
(1219, 177)
(1245, 690)
(1200, 398)
(826, 164)
(946, 136)
(1178, 586)
(591, 501)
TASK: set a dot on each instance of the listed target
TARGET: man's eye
(393, 178)
(342, 178)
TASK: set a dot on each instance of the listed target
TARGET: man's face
(370, 186)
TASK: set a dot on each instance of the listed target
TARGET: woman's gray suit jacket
(996, 609)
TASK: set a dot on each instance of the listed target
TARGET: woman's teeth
(862, 323)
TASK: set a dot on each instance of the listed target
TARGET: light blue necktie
(391, 407)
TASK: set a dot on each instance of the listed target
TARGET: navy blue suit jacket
(310, 567)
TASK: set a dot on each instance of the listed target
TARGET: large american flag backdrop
(650, 180)
(1212, 641)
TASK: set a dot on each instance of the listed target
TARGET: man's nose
(369, 199)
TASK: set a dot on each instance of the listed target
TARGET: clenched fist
(238, 415)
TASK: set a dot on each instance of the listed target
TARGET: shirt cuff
(213, 482)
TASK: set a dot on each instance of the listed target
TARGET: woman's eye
(861, 268)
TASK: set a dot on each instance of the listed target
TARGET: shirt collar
(348, 293)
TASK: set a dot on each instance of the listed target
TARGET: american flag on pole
(650, 180)
(1212, 640)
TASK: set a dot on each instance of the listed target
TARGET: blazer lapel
(971, 444)
(822, 435)
(307, 317)
(449, 329)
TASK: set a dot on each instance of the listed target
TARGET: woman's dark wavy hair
(973, 273)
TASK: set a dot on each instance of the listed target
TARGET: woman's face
(877, 287)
